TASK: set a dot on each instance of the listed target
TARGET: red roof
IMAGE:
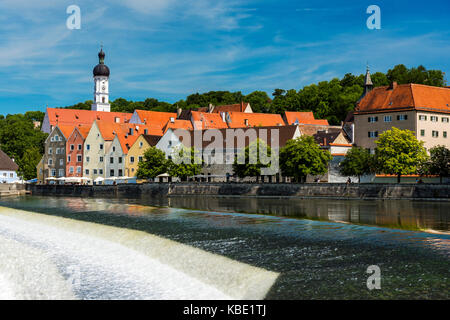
(405, 97)
(238, 107)
(303, 118)
(155, 118)
(178, 124)
(241, 120)
(74, 117)
(203, 120)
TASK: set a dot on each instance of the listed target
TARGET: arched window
(103, 99)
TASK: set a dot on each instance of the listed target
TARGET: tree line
(330, 100)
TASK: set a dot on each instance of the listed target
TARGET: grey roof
(6, 163)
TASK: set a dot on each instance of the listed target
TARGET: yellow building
(136, 153)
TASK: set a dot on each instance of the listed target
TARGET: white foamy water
(45, 257)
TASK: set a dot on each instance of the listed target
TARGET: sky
(168, 49)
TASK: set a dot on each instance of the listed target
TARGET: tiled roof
(152, 140)
(312, 129)
(405, 97)
(238, 107)
(326, 138)
(66, 130)
(285, 133)
(203, 120)
(302, 118)
(84, 130)
(6, 163)
(178, 124)
(155, 118)
(75, 117)
(238, 119)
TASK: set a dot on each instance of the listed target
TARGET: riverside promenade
(312, 190)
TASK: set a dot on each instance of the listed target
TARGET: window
(79, 147)
(101, 146)
(79, 158)
(120, 159)
(402, 117)
(53, 173)
(61, 172)
(50, 151)
(373, 134)
(435, 134)
(95, 171)
(373, 119)
(100, 171)
(87, 159)
(120, 173)
(140, 159)
(71, 170)
(11, 175)
(434, 119)
(111, 160)
(145, 131)
(117, 120)
(111, 173)
(101, 159)
(422, 133)
(56, 137)
(114, 149)
(444, 134)
(58, 151)
(422, 118)
(141, 144)
(61, 162)
(170, 143)
(60, 139)
(88, 147)
(72, 147)
(132, 169)
(131, 159)
(78, 169)
(387, 118)
(444, 119)
(86, 171)
(68, 158)
(50, 161)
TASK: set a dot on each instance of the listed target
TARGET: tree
(357, 162)
(251, 160)
(302, 157)
(439, 162)
(259, 101)
(153, 164)
(28, 162)
(185, 163)
(399, 152)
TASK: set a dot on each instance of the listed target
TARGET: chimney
(223, 116)
(179, 110)
(210, 108)
(242, 106)
(393, 85)
(246, 122)
(172, 119)
(324, 141)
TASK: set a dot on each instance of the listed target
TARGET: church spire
(368, 84)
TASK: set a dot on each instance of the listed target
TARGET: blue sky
(168, 49)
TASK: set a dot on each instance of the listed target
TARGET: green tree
(252, 159)
(302, 157)
(259, 101)
(439, 163)
(399, 152)
(357, 162)
(28, 162)
(153, 164)
(186, 162)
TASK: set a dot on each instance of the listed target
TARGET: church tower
(368, 84)
(101, 85)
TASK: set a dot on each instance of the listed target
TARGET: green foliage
(153, 164)
(357, 162)
(301, 157)
(439, 163)
(185, 163)
(402, 75)
(28, 162)
(18, 137)
(252, 159)
(399, 152)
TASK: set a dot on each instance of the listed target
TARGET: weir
(48, 257)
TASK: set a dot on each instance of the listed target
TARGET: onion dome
(101, 70)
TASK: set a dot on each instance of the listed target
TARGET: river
(287, 248)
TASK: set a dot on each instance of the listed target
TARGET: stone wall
(341, 191)
(7, 189)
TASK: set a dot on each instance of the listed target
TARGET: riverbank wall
(313, 190)
(12, 189)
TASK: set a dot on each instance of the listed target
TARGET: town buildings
(8, 169)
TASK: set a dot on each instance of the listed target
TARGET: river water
(319, 248)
